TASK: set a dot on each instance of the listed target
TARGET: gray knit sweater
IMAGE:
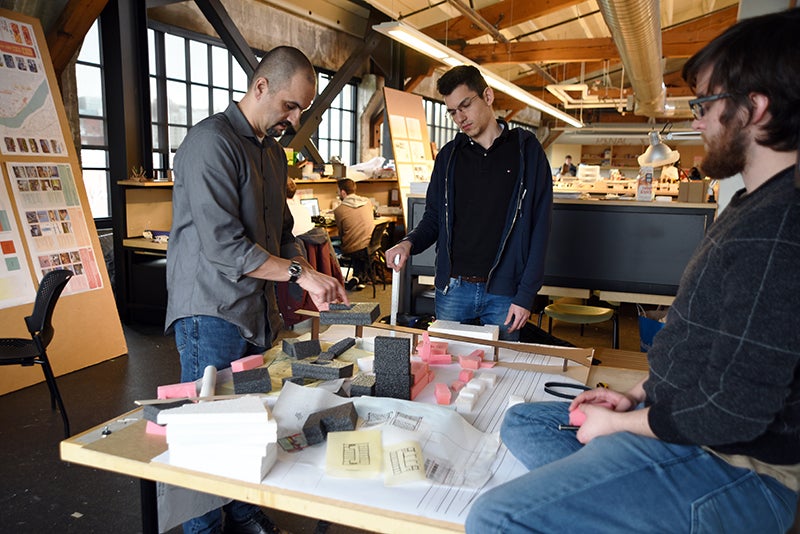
(725, 370)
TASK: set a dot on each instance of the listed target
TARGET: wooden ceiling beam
(682, 40)
(66, 37)
(501, 15)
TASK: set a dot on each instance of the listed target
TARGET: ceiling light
(658, 154)
(434, 49)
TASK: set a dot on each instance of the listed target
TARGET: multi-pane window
(92, 116)
(336, 133)
(515, 124)
(190, 79)
(441, 127)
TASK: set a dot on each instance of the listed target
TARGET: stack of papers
(232, 438)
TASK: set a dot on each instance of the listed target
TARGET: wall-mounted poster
(29, 123)
(54, 224)
(16, 285)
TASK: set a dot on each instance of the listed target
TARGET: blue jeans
(203, 341)
(467, 301)
(622, 483)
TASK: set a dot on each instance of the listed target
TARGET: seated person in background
(568, 169)
(300, 214)
(354, 220)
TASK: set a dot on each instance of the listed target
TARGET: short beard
(725, 155)
(273, 130)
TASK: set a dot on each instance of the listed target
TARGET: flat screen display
(311, 204)
(639, 248)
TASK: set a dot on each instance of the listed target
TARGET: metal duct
(636, 29)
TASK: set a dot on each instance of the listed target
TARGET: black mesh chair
(17, 351)
(371, 258)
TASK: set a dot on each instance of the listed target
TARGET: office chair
(25, 352)
(371, 257)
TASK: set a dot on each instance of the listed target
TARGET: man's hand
(322, 288)
(402, 250)
(517, 317)
(602, 421)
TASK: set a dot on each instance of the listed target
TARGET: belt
(474, 279)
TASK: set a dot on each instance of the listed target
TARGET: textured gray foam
(358, 313)
(325, 370)
(392, 355)
(362, 385)
(301, 349)
(337, 419)
(150, 411)
(252, 381)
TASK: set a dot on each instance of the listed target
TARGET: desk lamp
(658, 154)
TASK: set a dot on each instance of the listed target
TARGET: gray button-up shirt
(229, 215)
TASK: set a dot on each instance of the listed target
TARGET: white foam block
(456, 348)
(247, 409)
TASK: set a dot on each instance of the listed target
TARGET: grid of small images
(63, 260)
(30, 125)
(48, 222)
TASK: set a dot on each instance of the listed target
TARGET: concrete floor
(43, 494)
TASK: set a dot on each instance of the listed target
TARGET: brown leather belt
(474, 279)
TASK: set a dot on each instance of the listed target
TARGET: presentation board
(45, 220)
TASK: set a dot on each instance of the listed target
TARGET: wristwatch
(295, 270)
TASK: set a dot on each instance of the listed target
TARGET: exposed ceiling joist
(501, 15)
(682, 40)
(66, 37)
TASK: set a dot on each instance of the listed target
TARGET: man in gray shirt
(231, 238)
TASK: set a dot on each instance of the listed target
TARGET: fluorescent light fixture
(430, 47)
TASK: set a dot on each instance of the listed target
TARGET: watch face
(295, 269)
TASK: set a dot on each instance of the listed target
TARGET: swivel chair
(371, 258)
(26, 352)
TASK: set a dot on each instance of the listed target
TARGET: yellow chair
(580, 314)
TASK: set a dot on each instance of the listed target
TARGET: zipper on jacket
(516, 213)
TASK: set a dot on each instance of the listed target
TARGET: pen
(568, 427)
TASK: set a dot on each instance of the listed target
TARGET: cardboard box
(694, 191)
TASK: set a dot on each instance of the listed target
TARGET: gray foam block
(326, 355)
(392, 355)
(362, 385)
(358, 313)
(299, 380)
(338, 348)
(322, 369)
(394, 386)
(252, 381)
(301, 349)
(337, 419)
(150, 411)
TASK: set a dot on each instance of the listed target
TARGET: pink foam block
(577, 417)
(466, 375)
(155, 429)
(184, 390)
(440, 359)
(247, 363)
(488, 365)
(457, 385)
(438, 347)
(418, 369)
(442, 393)
(420, 383)
(478, 353)
(469, 362)
(424, 351)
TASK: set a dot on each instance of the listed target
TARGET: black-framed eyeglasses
(462, 107)
(698, 104)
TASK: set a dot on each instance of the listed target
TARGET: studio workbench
(128, 450)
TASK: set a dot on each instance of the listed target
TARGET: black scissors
(553, 387)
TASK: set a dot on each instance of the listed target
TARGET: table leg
(149, 506)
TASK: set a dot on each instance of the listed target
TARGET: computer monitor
(311, 204)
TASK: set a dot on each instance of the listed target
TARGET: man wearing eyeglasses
(488, 210)
(710, 440)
